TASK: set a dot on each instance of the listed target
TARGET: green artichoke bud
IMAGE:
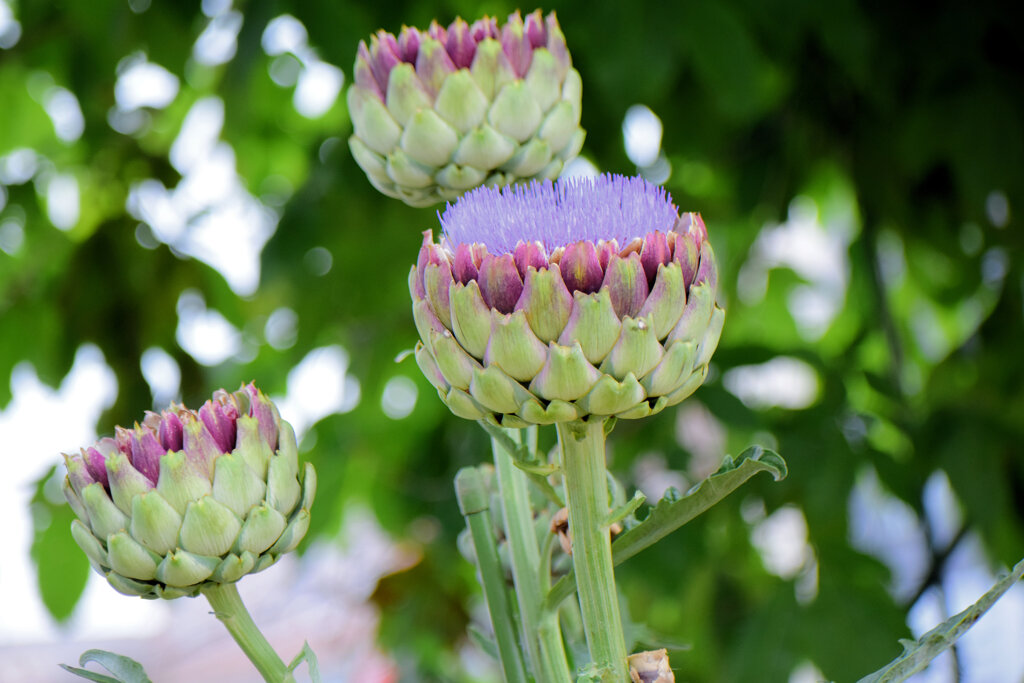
(438, 112)
(555, 301)
(191, 497)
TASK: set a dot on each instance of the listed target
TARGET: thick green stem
(474, 502)
(541, 632)
(586, 491)
(228, 607)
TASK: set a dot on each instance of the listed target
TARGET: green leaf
(307, 655)
(537, 468)
(917, 654)
(670, 514)
(61, 566)
(519, 452)
(482, 641)
(626, 509)
(125, 669)
(526, 460)
(89, 675)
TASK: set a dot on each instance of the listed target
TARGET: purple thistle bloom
(606, 208)
(553, 301)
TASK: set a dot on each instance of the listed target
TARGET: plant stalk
(586, 491)
(542, 634)
(474, 502)
(228, 607)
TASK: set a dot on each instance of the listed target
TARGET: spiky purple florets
(559, 214)
(553, 302)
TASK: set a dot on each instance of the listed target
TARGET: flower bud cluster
(441, 111)
(189, 497)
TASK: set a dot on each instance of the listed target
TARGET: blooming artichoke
(441, 111)
(555, 301)
(191, 497)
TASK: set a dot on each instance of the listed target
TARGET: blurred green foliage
(899, 128)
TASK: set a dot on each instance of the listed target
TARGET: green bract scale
(554, 301)
(438, 112)
(191, 497)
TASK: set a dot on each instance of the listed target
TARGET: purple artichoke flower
(551, 302)
(190, 497)
(441, 111)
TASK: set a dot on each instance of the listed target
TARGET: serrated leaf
(673, 511)
(307, 655)
(917, 654)
(124, 669)
(669, 515)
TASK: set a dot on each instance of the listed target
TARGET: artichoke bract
(438, 112)
(191, 497)
(555, 301)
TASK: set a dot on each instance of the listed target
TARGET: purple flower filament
(609, 207)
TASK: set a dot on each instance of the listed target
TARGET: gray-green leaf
(673, 510)
(917, 654)
(124, 669)
(671, 513)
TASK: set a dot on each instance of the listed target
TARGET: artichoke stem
(586, 490)
(542, 634)
(228, 607)
(474, 503)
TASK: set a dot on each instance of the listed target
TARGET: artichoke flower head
(441, 111)
(556, 301)
(190, 497)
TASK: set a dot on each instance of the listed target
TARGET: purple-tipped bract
(555, 301)
(191, 497)
(440, 111)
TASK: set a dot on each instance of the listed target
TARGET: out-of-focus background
(179, 212)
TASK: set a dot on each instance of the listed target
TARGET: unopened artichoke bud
(191, 497)
(554, 301)
(438, 112)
